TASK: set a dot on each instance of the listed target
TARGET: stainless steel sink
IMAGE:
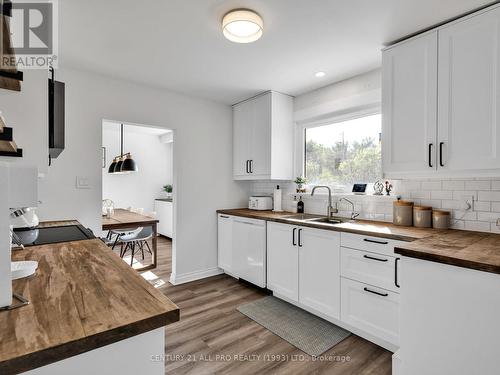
(302, 217)
(315, 219)
(327, 220)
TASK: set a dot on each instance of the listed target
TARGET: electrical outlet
(498, 222)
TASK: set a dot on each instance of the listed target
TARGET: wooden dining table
(125, 219)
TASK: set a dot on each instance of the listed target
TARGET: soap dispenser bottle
(300, 206)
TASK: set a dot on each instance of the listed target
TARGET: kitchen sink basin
(302, 217)
(327, 220)
(316, 219)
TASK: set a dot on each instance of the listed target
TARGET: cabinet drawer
(369, 243)
(370, 268)
(370, 309)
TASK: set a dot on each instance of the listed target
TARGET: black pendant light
(124, 163)
(129, 164)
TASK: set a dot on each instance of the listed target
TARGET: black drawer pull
(430, 155)
(373, 258)
(396, 273)
(374, 292)
(225, 217)
(441, 164)
(377, 242)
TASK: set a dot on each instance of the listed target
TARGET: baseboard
(192, 276)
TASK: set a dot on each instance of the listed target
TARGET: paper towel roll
(277, 199)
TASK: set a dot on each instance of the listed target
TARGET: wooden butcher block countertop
(82, 297)
(474, 250)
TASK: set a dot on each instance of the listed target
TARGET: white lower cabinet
(371, 309)
(241, 248)
(249, 250)
(225, 243)
(303, 267)
(165, 216)
(283, 260)
(370, 268)
(319, 270)
(351, 280)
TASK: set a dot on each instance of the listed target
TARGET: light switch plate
(82, 183)
(498, 222)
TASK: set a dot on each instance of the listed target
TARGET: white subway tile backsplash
(431, 185)
(488, 216)
(444, 194)
(495, 185)
(478, 226)
(482, 206)
(452, 205)
(489, 196)
(459, 195)
(495, 206)
(453, 185)
(421, 194)
(441, 194)
(478, 185)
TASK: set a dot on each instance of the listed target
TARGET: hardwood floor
(212, 334)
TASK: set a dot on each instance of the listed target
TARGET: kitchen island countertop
(82, 297)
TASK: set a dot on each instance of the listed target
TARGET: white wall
(27, 112)
(202, 161)
(357, 93)
(154, 160)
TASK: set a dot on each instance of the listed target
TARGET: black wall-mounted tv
(56, 118)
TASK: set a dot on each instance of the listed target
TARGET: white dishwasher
(249, 250)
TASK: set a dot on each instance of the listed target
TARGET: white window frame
(327, 120)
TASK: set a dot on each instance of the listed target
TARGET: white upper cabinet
(409, 106)
(469, 101)
(440, 101)
(263, 138)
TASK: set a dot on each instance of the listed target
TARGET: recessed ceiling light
(320, 74)
(242, 26)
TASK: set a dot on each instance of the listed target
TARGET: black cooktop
(48, 235)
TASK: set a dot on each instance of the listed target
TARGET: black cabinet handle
(251, 166)
(293, 237)
(300, 237)
(225, 217)
(396, 273)
(377, 242)
(441, 154)
(430, 155)
(375, 292)
(246, 166)
(373, 258)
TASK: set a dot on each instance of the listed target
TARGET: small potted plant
(168, 189)
(300, 181)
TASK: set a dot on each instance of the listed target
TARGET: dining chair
(119, 233)
(137, 239)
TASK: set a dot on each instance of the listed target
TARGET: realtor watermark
(34, 38)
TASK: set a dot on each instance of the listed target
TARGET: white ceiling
(178, 44)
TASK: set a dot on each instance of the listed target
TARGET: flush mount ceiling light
(320, 74)
(242, 26)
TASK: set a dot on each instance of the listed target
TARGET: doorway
(137, 184)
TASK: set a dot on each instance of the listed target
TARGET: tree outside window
(344, 153)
